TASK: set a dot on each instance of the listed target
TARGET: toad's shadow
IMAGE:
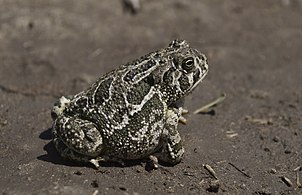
(54, 157)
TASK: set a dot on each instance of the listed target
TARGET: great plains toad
(131, 112)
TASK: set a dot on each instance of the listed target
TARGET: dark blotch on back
(140, 90)
(82, 102)
(136, 123)
(102, 92)
(132, 73)
(76, 107)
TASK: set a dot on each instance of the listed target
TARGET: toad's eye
(188, 64)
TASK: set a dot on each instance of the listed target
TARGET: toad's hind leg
(172, 150)
(77, 139)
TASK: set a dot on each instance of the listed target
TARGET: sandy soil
(252, 140)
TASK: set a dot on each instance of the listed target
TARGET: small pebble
(94, 184)
(123, 188)
(273, 171)
(132, 5)
(214, 186)
(276, 139)
(287, 151)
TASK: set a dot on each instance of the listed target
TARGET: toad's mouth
(180, 102)
(203, 74)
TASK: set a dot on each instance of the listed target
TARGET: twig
(245, 174)
(95, 192)
(259, 120)
(297, 176)
(210, 170)
(298, 180)
(286, 181)
(299, 168)
(182, 120)
(205, 109)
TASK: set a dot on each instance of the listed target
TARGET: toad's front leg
(172, 150)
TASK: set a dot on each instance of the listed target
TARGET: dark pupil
(188, 64)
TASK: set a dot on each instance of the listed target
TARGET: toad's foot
(152, 163)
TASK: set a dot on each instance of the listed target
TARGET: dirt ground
(252, 140)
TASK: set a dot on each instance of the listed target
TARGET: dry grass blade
(245, 174)
(210, 170)
(95, 192)
(183, 120)
(259, 120)
(299, 185)
(299, 168)
(207, 107)
(298, 180)
(287, 181)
